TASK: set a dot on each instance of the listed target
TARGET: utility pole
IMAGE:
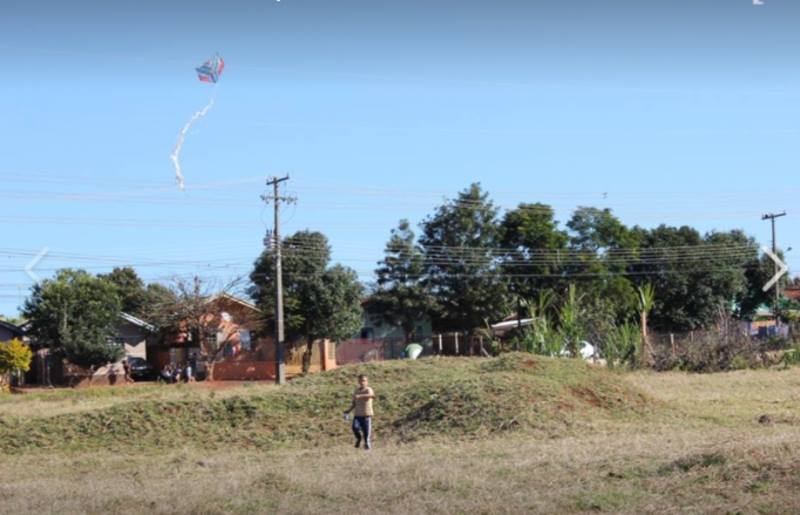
(772, 217)
(280, 343)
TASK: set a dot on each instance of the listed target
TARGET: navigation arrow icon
(32, 264)
(782, 269)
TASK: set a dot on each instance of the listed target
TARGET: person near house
(112, 374)
(189, 373)
(362, 404)
(166, 373)
(126, 370)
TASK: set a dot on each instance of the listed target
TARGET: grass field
(506, 435)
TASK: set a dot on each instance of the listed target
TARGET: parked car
(141, 370)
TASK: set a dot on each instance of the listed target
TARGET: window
(367, 333)
(244, 340)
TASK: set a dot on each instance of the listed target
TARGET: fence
(730, 345)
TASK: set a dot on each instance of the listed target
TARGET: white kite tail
(175, 156)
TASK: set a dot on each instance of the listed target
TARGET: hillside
(451, 398)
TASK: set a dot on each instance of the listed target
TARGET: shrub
(15, 357)
(622, 344)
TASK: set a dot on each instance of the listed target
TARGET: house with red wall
(235, 345)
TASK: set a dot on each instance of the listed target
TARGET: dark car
(141, 369)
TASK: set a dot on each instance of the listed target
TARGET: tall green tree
(753, 296)
(598, 230)
(130, 289)
(694, 275)
(531, 246)
(459, 241)
(400, 298)
(319, 302)
(76, 313)
(601, 248)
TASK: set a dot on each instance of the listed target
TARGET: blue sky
(673, 111)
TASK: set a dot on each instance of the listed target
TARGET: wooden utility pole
(772, 217)
(280, 343)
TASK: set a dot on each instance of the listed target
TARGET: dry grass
(47, 403)
(704, 452)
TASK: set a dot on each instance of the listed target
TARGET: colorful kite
(209, 71)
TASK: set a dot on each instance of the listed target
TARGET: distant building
(9, 331)
(378, 341)
(234, 326)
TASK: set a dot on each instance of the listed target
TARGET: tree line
(471, 266)
(468, 266)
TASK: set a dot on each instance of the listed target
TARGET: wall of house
(244, 371)
(6, 335)
(259, 364)
(374, 329)
(359, 350)
(134, 339)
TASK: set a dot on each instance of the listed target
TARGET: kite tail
(176, 152)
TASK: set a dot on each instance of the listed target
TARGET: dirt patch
(588, 396)
(531, 364)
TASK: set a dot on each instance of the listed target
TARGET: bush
(622, 344)
(15, 357)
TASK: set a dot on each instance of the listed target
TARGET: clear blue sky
(674, 111)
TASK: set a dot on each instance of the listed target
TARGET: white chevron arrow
(782, 268)
(32, 264)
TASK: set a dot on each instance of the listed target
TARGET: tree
(11, 320)
(693, 274)
(601, 247)
(15, 357)
(338, 308)
(318, 302)
(186, 307)
(76, 313)
(401, 298)
(597, 230)
(130, 289)
(756, 276)
(156, 296)
(462, 273)
(530, 244)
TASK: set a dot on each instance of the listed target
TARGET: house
(234, 345)
(378, 341)
(132, 333)
(9, 331)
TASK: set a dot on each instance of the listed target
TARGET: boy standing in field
(362, 404)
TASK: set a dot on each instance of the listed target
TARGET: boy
(362, 404)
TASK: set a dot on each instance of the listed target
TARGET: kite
(210, 71)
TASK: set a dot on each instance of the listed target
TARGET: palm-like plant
(622, 343)
(647, 299)
(571, 328)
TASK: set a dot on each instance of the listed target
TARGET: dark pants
(362, 426)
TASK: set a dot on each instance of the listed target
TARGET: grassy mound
(442, 398)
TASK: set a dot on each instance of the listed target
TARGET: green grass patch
(439, 398)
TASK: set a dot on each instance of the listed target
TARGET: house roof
(13, 329)
(137, 321)
(233, 298)
(511, 324)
